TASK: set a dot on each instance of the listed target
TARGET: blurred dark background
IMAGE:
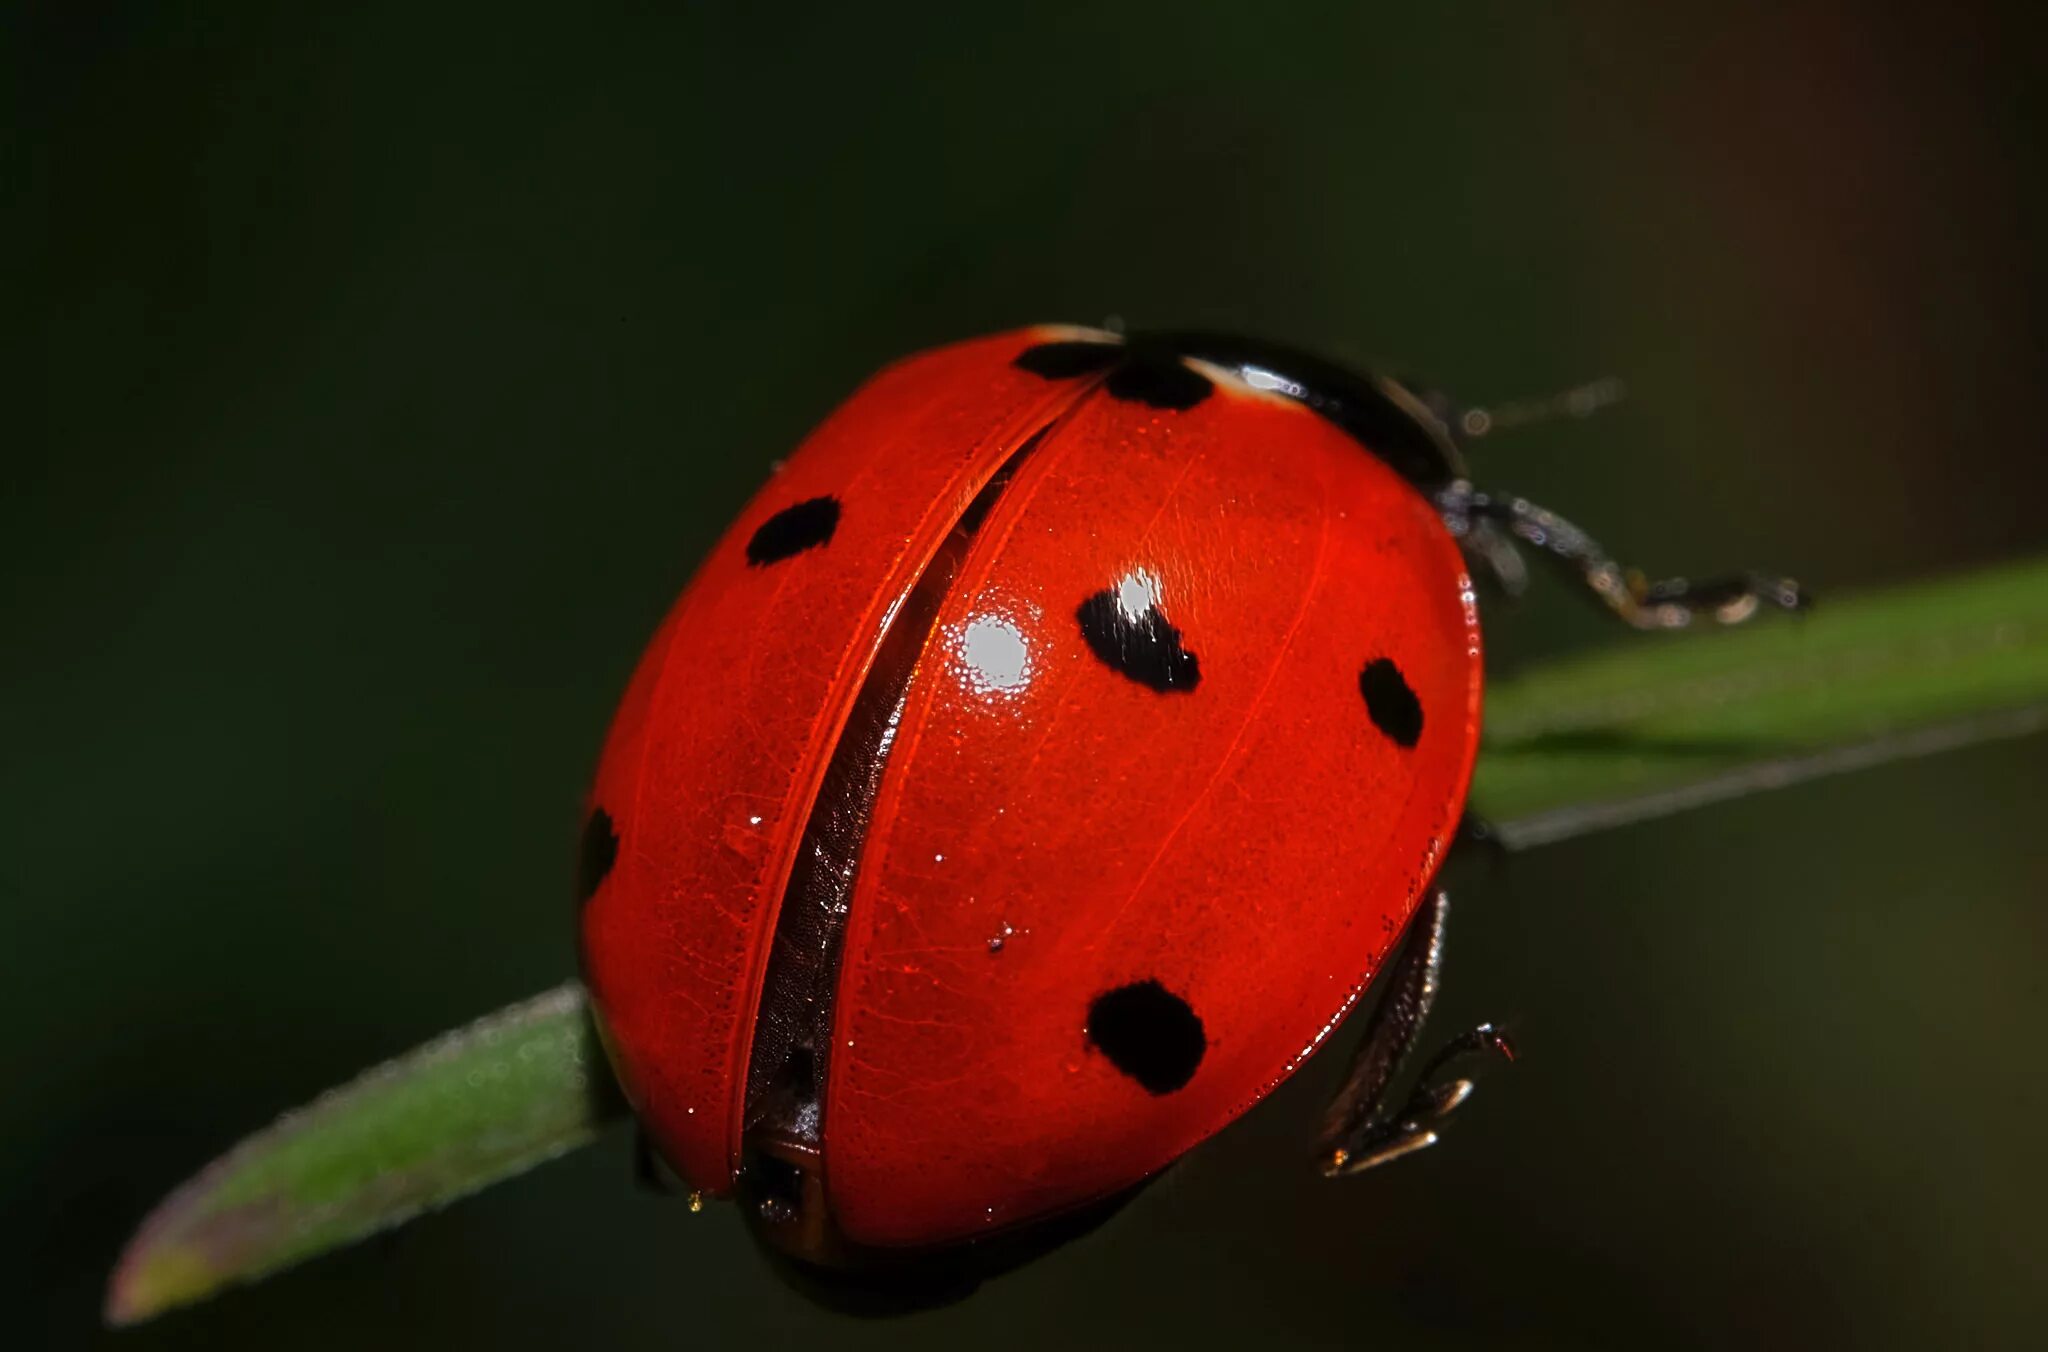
(383, 374)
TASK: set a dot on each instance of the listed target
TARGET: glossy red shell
(1047, 829)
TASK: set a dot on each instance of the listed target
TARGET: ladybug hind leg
(1487, 526)
(1362, 1126)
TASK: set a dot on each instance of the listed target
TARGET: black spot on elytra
(1148, 1033)
(793, 530)
(1143, 647)
(599, 852)
(1392, 705)
(1147, 374)
(1159, 379)
(1065, 360)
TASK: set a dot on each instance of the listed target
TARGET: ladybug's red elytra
(1039, 771)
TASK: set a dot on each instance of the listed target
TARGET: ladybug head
(1417, 429)
(1413, 429)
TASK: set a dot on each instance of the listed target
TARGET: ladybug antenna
(1580, 401)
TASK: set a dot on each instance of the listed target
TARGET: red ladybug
(1040, 770)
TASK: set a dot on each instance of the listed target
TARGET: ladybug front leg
(1360, 1128)
(1636, 599)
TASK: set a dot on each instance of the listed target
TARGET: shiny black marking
(1158, 378)
(1143, 647)
(1390, 420)
(1392, 705)
(599, 852)
(1147, 373)
(1065, 360)
(1149, 1034)
(793, 530)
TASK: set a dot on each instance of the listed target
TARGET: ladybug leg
(1499, 562)
(1361, 1128)
(1479, 518)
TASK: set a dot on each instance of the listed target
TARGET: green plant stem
(1665, 723)
(1644, 728)
(476, 1105)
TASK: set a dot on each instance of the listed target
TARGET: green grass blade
(1653, 725)
(477, 1105)
(1669, 722)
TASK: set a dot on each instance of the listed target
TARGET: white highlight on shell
(1259, 378)
(997, 657)
(1137, 592)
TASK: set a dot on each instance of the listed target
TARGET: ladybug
(1037, 774)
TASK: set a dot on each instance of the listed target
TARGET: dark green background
(382, 375)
